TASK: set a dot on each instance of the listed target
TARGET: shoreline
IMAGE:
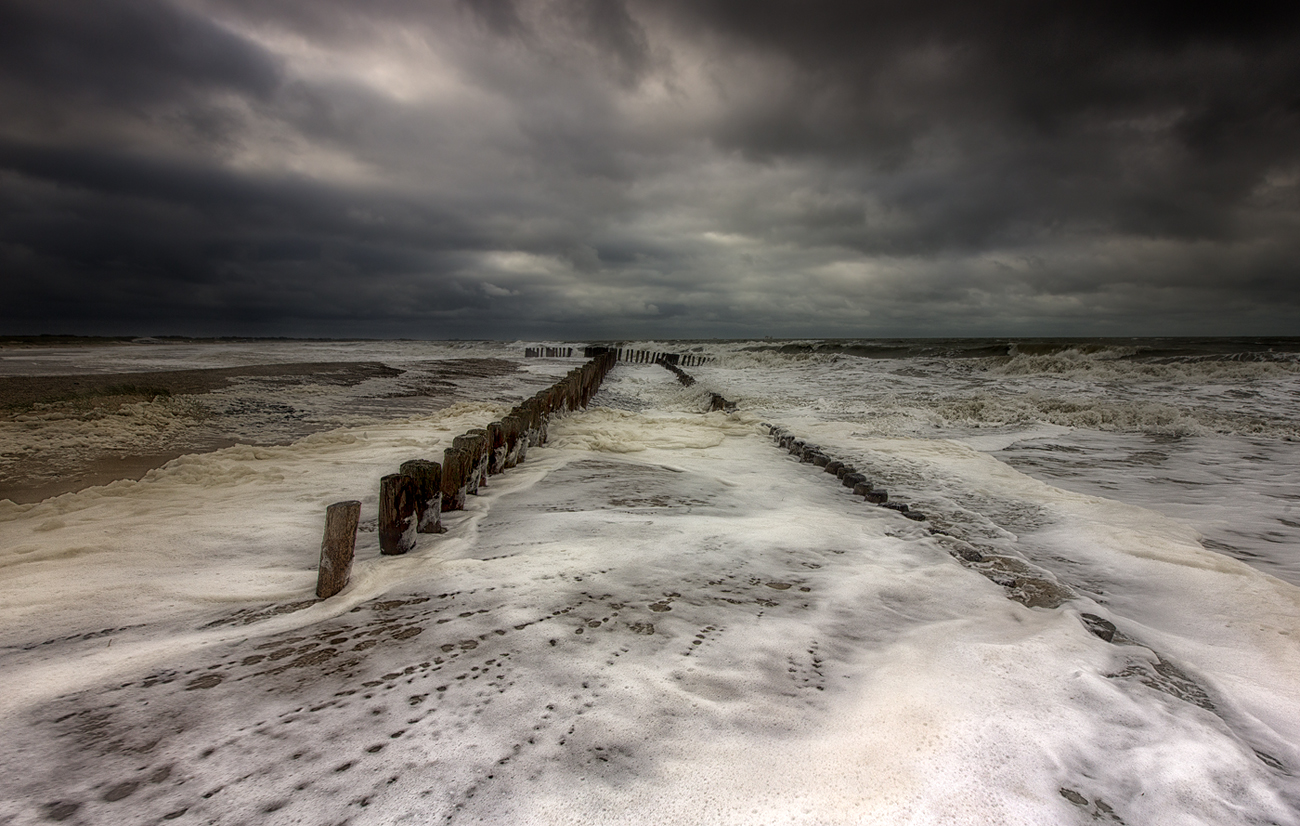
(99, 471)
(37, 401)
(24, 392)
(64, 433)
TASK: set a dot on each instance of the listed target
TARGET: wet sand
(38, 471)
(35, 478)
(101, 470)
(22, 392)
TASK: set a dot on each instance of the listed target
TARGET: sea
(1078, 604)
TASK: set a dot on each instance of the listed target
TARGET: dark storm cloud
(579, 167)
(1147, 123)
(125, 51)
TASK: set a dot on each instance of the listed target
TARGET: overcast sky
(596, 168)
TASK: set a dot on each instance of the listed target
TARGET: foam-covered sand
(83, 420)
(658, 618)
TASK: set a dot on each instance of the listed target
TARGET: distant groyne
(624, 354)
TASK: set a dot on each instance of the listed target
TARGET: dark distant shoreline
(61, 340)
(19, 392)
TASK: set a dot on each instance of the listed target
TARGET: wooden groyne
(412, 500)
(647, 356)
(682, 376)
(623, 354)
(716, 401)
(846, 473)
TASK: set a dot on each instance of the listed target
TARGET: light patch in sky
(271, 147)
(523, 263)
(727, 239)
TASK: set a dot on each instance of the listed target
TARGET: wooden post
(471, 445)
(496, 437)
(516, 440)
(482, 456)
(532, 412)
(543, 422)
(465, 445)
(428, 494)
(453, 479)
(337, 547)
(397, 524)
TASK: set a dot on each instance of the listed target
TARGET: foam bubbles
(657, 618)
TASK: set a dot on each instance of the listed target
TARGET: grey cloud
(126, 51)
(572, 167)
(501, 17)
(608, 24)
(1152, 125)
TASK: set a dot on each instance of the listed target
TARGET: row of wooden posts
(648, 356)
(548, 352)
(682, 376)
(716, 402)
(412, 501)
(847, 474)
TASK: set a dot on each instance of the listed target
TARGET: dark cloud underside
(588, 168)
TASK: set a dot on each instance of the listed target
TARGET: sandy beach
(65, 433)
(662, 615)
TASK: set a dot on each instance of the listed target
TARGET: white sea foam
(659, 617)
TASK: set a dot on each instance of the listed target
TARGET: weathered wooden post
(543, 401)
(397, 524)
(524, 414)
(482, 456)
(428, 494)
(532, 410)
(453, 479)
(337, 547)
(461, 445)
(471, 445)
(496, 446)
(516, 440)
